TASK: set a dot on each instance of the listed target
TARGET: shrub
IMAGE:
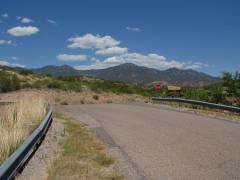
(64, 102)
(82, 101)
(104, 160)
(96, 97)
(196, 94)
(25, 72)
(54, 84)
(217, 95)
(8, 82)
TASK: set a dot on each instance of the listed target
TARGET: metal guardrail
(16, 162)
(200, 103)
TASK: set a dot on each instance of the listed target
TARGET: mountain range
(131, 73)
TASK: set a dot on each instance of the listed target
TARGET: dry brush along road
(158, 143)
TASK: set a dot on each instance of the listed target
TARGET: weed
(82, 156)
(17, 121)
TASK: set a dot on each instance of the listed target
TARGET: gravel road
(159, 143)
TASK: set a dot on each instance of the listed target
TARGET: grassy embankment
(17, 121)
(82, 155)
(11, 80)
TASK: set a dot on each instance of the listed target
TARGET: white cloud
(18, 65)
(23, 31)
(90, 41)
(71, 57)
(6, 63)
(25, 20)
(14, 58)
(7, 42)
(150, 60)
(97, 65)
(108, 46)
(111, 51)
(133, 28)
(5, 15)
(93, 59)
(195, 65)
(51, 21)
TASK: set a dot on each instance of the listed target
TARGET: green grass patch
(82, 155)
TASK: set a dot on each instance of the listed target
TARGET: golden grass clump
(17, 122)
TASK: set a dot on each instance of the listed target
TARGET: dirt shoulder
(212, 113)
(70, 151)
(38, 166)
(82, 155)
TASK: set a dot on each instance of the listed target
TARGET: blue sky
(203, 35)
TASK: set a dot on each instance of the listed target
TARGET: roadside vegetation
(17, 121)
(82, 155)
(8, 82)
(225, 91)
(15, 79)
(77, 84)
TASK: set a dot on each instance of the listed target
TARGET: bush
(25, 72)
(54, 84)
(64, 103)
(96, 97)
(82, 101)
(217, 95)
(8, 82)
(196, 94)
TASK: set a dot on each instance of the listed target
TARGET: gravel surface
(157, 143)
(39, 164)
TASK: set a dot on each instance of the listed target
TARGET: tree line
(226, 91)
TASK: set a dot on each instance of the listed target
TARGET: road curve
(165, 144)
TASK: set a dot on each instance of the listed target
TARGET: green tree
(217, 95)
(229, 83)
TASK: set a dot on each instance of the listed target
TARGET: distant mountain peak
(63, 70)
(66, 66)
(173, 69)
(131, 73)
(128, 64)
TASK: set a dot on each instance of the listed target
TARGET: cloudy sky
(202, 35)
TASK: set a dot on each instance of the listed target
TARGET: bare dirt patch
(70, 97)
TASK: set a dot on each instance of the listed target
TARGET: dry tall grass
(17, 121)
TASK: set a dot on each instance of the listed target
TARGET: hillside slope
(131, 73)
